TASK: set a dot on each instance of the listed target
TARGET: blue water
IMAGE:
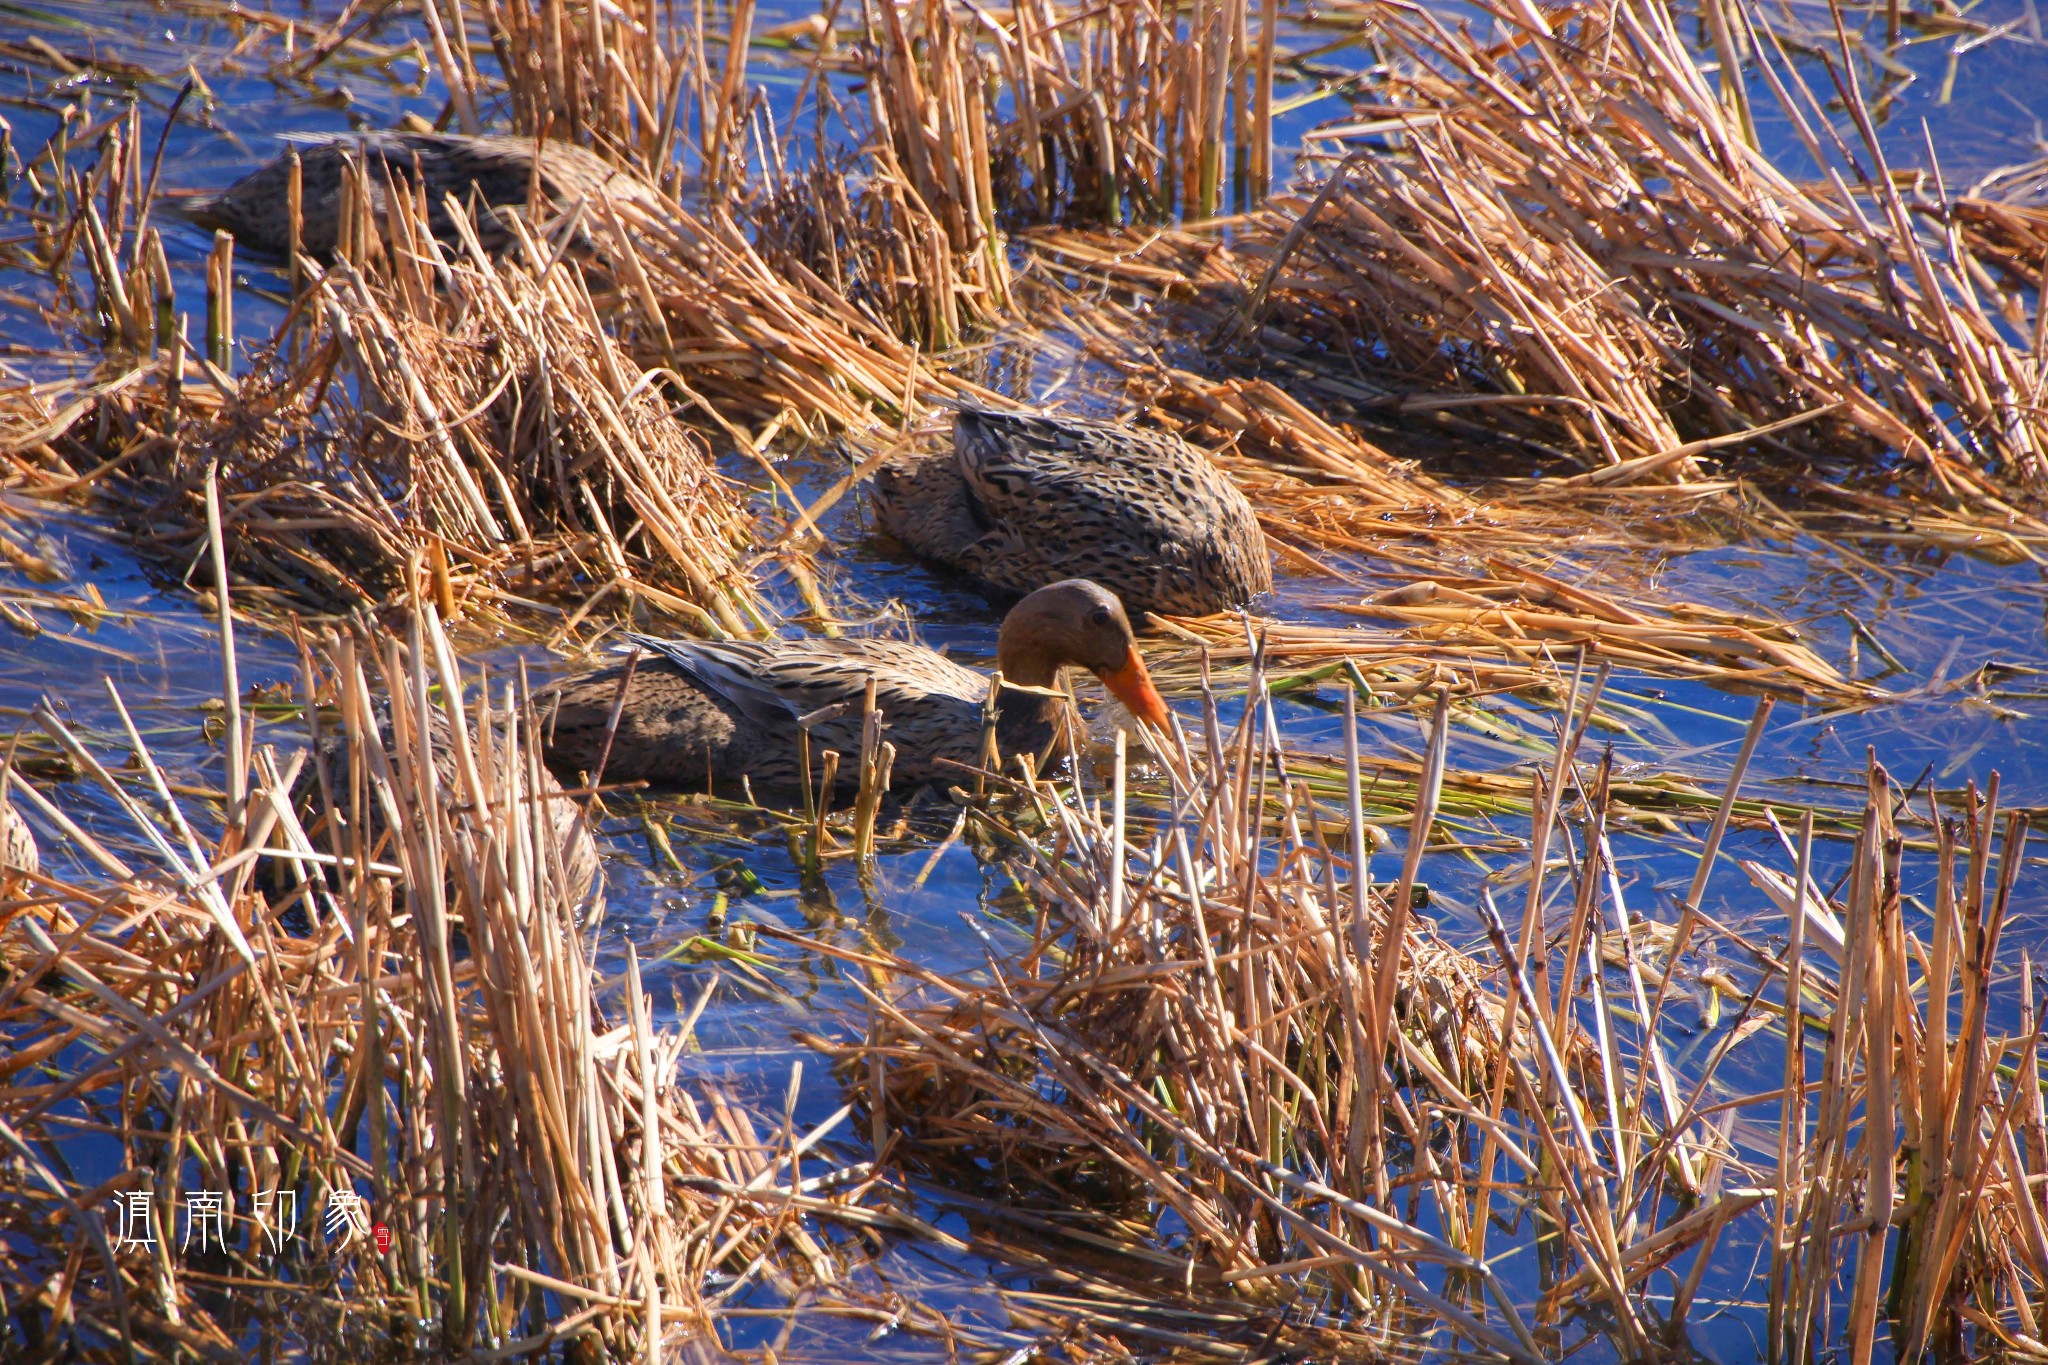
(1970, 696)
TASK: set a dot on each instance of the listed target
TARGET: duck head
(1079, 624)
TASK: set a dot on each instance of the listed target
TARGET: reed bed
(421, 405)
(1239, 1044)
(361, 971)
(520, 424)
(1126, 110)
(616, 78)
(1332, 463)
(641, 83)
(1564, 234)
(1229, 1054)
(905, 229)
(855, 254)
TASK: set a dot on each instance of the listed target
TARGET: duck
(697, 713)
(18, 851)
(1023, 500)
(568, 822)
(499, 170)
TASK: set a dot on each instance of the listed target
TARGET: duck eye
(1099, 617)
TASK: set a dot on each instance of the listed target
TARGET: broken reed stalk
(220, 303)
(1183, 1042)
(877, 757)
(376, 986)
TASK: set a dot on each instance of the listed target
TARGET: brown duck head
(1079, 624)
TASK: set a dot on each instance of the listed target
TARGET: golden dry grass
(1559, 238)
(1231, 1037)
(371, 977)
(1564, 237)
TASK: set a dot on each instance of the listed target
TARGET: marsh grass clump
(452, 408)
(1229, 1025)
(1557, 229)
(870, 241)
(1112, 113)
(841, 265)
(1228, 1046)
(927, 83)
(387, 993)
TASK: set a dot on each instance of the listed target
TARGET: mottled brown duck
(18, 851)
(1022, 501)
(499, 172)
(567, 819)
(702, 713)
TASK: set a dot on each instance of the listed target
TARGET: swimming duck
(499, 170)
(698, 712)
(1022, 501)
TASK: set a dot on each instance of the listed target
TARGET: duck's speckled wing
(921, 500)
(1142, 513)
(751, 694)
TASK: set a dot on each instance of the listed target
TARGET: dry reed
(386, 993)
(420, 406)
(1132, 110)
(1507, 631)
(859, 263)
(905, 231)
(1239, 1045)
(1562, 233)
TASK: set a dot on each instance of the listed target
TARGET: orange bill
(1133, 687)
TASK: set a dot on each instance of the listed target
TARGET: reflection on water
(1957, 640)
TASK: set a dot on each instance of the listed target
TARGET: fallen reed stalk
(1508, 630)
